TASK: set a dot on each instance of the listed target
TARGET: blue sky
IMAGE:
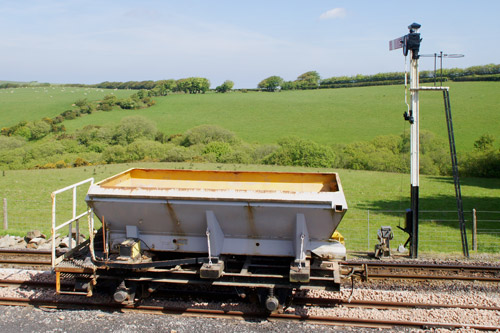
(84, 41)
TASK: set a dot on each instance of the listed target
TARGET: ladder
(454, 164)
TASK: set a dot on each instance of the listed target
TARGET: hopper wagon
(262, 232)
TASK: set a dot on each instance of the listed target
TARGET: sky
(87, 41)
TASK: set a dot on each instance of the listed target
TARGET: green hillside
(35, 103)
(351, 128)
(326, 116)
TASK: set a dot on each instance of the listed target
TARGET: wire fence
(23, 215)
(439, 231)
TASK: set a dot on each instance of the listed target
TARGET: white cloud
(333, 14)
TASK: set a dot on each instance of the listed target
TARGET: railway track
(427, 271)
(40, 260)
(33, 284)
(383, 305)
(199, 311)
(35, 259)
(187, 295)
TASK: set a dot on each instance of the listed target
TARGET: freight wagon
(262, 232)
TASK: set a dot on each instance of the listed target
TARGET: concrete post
(368, 220)
(474, 230)
(5, 215)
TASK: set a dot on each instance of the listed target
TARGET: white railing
(75, 218)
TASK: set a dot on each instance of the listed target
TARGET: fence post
(5, 215)
(474, 230)
(368, 238)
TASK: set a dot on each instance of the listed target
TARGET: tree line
(312, 79)
(308, 80)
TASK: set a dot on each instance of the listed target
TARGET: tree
(108, 102)
(309, 79)
(484, 143)
(38, 129)
(271, 83)
(193, 85)
(132, 128)
(199, 85)
(225, 87)
(289, 85)
(163, 88)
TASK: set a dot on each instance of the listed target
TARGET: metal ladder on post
(454, 164)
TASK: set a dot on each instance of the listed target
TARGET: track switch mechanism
(384, 235)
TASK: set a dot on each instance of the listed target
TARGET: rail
(75, 218)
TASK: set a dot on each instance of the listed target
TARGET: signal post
(410, 44)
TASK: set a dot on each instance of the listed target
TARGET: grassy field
(325, 116)
(35, 103)
(28, 194)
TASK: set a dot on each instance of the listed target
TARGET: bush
(70, 114)
(177, 154)
(115, 154)
(92, 134)
(58, 119)
(24, 132)
(9, 143)
(205, 134)
(219, 151)
(132, 128)
(61, 164)
(127, 103)
(98, 147)
(482, 164)
(484, 160)
(33, 130)
(239, 156)
(484, 143)
(48, 166)
(145, 150)
(105, 107)
(355, 156)
(80, 162)
(72, 146)
(12, 158)
(81, 102)
(391, 153)
(44, 149)
(301, 152)
(259, 152)
(225, 87)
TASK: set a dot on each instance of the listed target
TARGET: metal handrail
(69, 223)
